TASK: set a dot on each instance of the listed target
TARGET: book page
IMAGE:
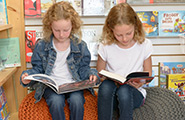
(114, 76)
(75, 86)
(42, 78)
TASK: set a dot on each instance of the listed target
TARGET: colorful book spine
(176, 83)
(171, 23)
(169, 68)
(149, 20)
(4, 110)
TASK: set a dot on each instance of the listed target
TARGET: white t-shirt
(124, 61)
(60, 71)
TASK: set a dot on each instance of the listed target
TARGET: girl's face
(124, 35)
(61, 29)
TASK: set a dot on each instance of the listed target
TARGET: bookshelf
(6, 74)
(5, 27)
(10, 77)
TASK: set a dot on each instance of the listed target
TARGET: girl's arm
(101, 64)
(147, 65)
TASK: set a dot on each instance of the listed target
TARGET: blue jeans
(56, 103)
(125, 97)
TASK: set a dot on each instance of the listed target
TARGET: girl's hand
(93, 78)
(136, 84)
(25, 81)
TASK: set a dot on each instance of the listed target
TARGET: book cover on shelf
(3, 13)
(169, 68)
(149, 20)
(171, 23)
(32, 34)
(32, 8)
(182, 43)
(63, 88)
(176, 83)
(91, 35)
(30, 37)
(134, 76)
(93, 7)
(10, 52)
(45, 4)
(77, 5)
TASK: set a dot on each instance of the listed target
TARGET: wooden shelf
(5, 27)
(6, 74)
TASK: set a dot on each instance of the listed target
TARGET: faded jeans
(125, 97)
(56, 103)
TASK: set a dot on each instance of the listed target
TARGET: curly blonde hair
(119, 15)
(58, 11)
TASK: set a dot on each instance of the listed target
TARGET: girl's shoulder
(43, 44)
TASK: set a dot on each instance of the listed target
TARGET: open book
(134, 76)
(64, 88)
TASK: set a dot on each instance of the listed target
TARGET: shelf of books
(5, 27)
(7, 88)
(11, 42)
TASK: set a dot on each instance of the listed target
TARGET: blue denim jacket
(44, 56)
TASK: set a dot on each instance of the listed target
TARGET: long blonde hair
(58, 11)
(119, 15)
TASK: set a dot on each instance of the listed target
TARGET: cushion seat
(160, 104)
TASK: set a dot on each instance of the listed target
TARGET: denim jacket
(43, 59)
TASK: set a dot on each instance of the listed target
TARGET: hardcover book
(61, 88)
(32, 35)
(176, 83)
(10, 52)
(169, 68)
(134, 76)
(153, 83)
(149, 20)
(171, 23)
(32, 8)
